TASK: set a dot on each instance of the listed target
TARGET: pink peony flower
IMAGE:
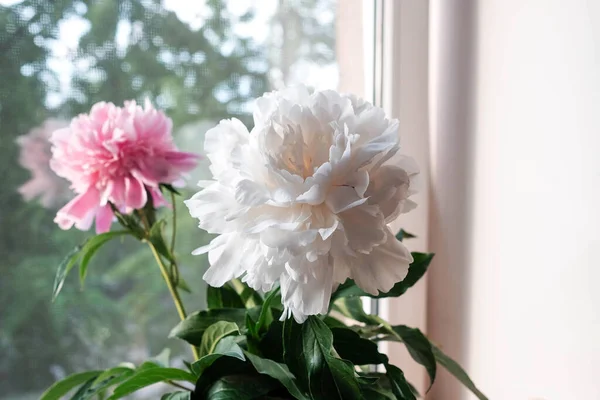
(35, 156)
(117, 155)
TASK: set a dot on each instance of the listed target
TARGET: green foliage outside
(203, 74)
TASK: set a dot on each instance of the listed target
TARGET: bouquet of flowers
(301, 206)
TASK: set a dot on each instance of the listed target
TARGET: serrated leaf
(400, 387)
(64, 386)
(108, 378)
(350, 346)
(455, 369)
(278, 371)
(63, 270)
(177, 396)
(419, 348)
(417, 269)
(226, 347)
(214, 333)
(192, 328)
(91, 247)
(223, 297)
(308, 354)
(149, 377)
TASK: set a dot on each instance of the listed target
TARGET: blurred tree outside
(124, 50)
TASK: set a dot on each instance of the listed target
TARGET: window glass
(199, 61)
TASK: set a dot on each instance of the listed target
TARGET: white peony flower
(305, 198)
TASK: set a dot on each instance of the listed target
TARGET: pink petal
(182, 160)
(77, 211)
(135, 193)
(104, 219)
(117, 191)
(158, 200)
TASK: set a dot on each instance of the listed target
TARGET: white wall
(515, 294)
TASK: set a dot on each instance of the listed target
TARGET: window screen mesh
(199, 61)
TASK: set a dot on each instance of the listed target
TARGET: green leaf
(241, 387)
(249, 296)
(352, 307)
(223, 297)
(374, 393)
(163, 358)
(149, 377)
(83, 389)
(455, 369)
(221, 367)
(156, 238)
(108, 378)
(271, 345)
(63, 270)
(419, 348)
(404, 235)
(169, 188)
(182, 284)
(62, 387)
(226, 347)
(149, 365)
(91, 247)
(278, 371)
(177, 396)
(417, 269)
(266, 316)
(332, 322)
(308, 351)
(214, 333)
(400, 387)
(128, 221)
(192, 328)
(350, 346)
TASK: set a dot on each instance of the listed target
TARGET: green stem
(173, 267)
(174, 227)
(179, 386)
(172, 290)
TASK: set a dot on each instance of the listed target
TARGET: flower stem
(173, 267)
(172, 290)
(174, 227)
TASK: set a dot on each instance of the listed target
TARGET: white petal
(342, 198)
(215, 243)
(310, 298)
(250, 193)
(225, 261)
(221, 142)
(389, 189)
(364, 227)
(386, 265)
(313, 196)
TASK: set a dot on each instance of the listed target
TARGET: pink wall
(514, 212)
